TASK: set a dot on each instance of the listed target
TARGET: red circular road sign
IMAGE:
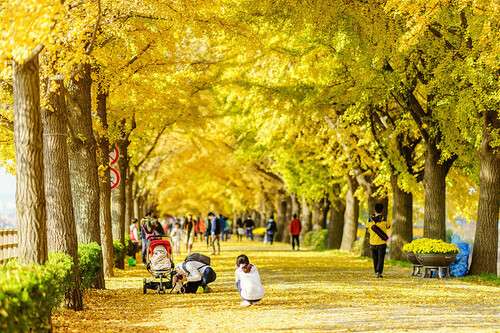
(114, 155)
(114, 177)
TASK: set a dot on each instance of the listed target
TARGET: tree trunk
(325, 210)
(484, 256)
(30, 195)
(83, 166)
(281, 216)
(61, 235)
(104, 187)
(129, 210)
(306, 218)
(402, 219)
(262, 213)
(336, 226)
(435, 193)
(320, 212)
(142, 206)
(255, 215)
(137, 213)
(288, 218)
(351, 215)
(295, 205)
(118, 202)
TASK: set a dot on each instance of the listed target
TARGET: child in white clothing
(176, 238)
(248, 281)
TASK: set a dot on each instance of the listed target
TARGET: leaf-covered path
(306, 291)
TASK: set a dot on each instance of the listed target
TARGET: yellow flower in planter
(426, 245)
(259, 231)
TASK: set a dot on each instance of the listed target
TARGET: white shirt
(251, 287)
(194, 270)
(133, 227)
(176, 234)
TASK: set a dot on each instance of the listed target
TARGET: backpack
(196, 257)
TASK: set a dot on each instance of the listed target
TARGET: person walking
(224, 225)
(201, 228)
(271, 229)
(215, 232)
(176, 235)
(378, 227)
(188, 232)
(249, 225)
(240, 231)
(134, 237)
(146, 231)
(157, 227)
(208, 231)
(295, 228)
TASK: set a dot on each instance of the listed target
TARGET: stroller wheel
(144, 289)
(158, 290)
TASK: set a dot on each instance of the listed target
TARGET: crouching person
(248, 281)
(195, 272)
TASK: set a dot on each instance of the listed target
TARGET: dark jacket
(271, 226)
(249, 223)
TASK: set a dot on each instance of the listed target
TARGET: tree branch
(267, 173)
(76, 4)
(10, 87)
(6, 122)
(34, 53)
(155, 142)
(448, 45)
(464, 24)
(134, 58)
(96, 27)
(417, 114)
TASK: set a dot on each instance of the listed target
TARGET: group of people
(194, 275)
(214, 230)
(186, 230)
(247, 227)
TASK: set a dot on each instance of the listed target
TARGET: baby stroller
(160, 264)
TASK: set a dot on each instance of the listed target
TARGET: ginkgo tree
(242, 106)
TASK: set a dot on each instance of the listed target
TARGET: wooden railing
(8, 244)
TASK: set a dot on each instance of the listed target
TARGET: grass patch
(400, 263)
(483, 279)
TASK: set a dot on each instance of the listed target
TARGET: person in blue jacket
(215, 232)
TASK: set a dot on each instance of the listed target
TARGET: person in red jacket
(295, 228)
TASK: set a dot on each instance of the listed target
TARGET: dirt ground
(306, 291)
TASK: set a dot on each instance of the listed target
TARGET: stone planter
(416, 267)
(258, 237)
(436, 259)
(412, 257)
(436, 264)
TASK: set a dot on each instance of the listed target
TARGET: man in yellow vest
(379, 227)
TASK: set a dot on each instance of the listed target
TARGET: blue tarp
(461, 264)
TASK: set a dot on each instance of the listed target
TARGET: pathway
(305, 292)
